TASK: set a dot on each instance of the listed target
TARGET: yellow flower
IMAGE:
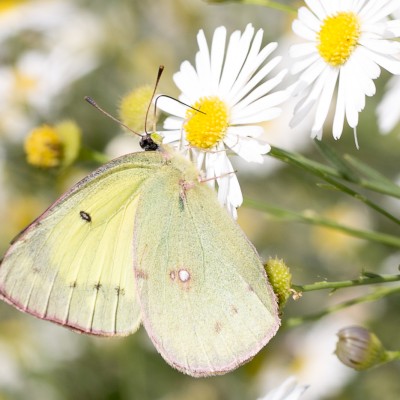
(43, 147)
(52, 146)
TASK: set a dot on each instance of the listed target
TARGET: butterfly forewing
(206, 302)
(73, 265)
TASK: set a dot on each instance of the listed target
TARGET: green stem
(392, 356)
(324, 171)
(363, 280)
(87, 154)
(272, 4)
(310, 217)
(328, 174)
(376, 295)
(362, 198)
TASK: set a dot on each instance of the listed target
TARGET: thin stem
(328, 174)
(272, 4)
(376, 295)
(363, 280)
(87, 154)
(310, 217)
(324, 171)
(362, 198)
(392, 356)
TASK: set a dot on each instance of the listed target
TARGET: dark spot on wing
(120, 291)
(181, 204)
(35, 270)
(140, 274)
(73, 285)
(250, 288)
(85, 216)
(217, 327)
(97, 286)
(234, 310)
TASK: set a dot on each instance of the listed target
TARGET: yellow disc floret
(43, 147)
(338, 37)
(206, 128)
(133, 108)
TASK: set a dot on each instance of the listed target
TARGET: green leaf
(337, 161)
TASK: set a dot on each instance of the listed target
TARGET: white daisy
(347, 42)
(388, 111)
(229, 87)
(288, 390)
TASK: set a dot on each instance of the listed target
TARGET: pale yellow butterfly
(142, 240)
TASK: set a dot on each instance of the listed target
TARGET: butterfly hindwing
(73, 265)
(206, 302)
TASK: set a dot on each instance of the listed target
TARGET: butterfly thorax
(189, 175)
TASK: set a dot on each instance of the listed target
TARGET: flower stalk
(312, 218)
(374, 296)
(363, 280)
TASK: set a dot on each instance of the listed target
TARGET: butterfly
(141, 240)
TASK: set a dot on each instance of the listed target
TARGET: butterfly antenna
(160, 71)
(95, 105)
(178, 101)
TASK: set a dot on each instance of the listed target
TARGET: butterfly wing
(206, 301)
(74, 264)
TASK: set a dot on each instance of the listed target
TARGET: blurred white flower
(388, 111)
(35, 81)
(288, 390)
(308, 353)
(228, 86)
(38, 16)
(346, 42)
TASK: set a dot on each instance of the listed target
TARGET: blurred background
(52, 54)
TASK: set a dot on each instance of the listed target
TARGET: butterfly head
(150, 141)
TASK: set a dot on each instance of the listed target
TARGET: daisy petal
(229, 94)
(356, 58)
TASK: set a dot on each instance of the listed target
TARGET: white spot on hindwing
(184, 275)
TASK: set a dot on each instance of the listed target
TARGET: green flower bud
(359, 348)
(133, 108)
(280, 278)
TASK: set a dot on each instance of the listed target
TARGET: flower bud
(133, 108)
(43, 147)
(359, 348)
(49, 146)
(280, 278)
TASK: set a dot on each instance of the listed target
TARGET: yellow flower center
(206, 130)
(23, 83)
(338, 37)
(43, 147)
